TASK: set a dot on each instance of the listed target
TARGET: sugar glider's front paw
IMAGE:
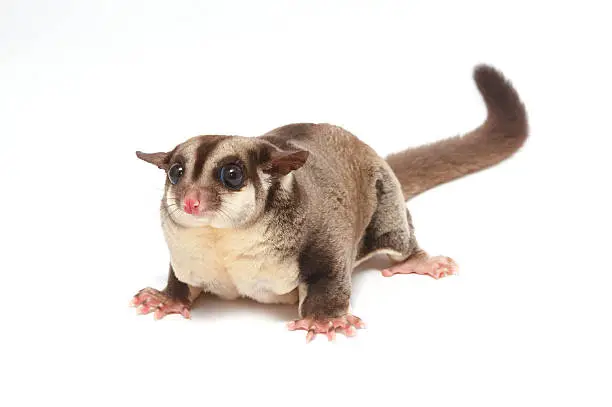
(345, 324)
(149, 299)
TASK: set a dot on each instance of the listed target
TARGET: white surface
(85, 84)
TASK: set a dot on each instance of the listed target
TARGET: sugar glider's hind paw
(436, 267)
(328, 326)
(149, 299)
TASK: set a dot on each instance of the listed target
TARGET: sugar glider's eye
(232, 176)
(175, 173)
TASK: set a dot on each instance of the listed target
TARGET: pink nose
(191, 205)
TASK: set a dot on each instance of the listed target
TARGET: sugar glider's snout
(196, 203)
(193, 206)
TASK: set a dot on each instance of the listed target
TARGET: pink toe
(338, 323)
(350, 331)
(355, 321)
(298, 324)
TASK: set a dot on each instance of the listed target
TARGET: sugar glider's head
(221, 181)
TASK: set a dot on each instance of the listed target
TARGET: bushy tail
(501, 135)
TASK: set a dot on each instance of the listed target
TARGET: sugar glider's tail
(501, 135)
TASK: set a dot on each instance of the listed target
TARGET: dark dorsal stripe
(208, 144)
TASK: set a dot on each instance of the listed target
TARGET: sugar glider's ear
(283, 162)
(158, 159)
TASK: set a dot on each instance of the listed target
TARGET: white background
(84, 84)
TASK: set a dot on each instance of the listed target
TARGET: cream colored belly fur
(231, 263)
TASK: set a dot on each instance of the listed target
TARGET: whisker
(223, 213)
(169, 215)
(170, 199)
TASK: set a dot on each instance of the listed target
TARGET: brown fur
(175, 289)
(501, 135)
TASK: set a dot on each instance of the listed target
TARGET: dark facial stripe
(271, 199)
(253, 162)
(260, 155)
(205, 148)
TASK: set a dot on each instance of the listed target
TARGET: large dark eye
(175, 173)
(232, 176)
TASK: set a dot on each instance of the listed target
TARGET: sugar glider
(285, 217)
